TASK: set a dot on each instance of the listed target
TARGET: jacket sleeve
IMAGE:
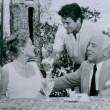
(68, 81)
(106, 90)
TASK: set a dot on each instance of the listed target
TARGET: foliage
(44, 13)
(106, 32)
(90, 15)
(48, 32)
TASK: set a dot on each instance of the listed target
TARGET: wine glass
(48, 87)
(49, 81)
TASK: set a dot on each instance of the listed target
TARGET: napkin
(77, 98)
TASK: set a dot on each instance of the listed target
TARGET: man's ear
(106, 52)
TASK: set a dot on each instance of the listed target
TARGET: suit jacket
(76, 49)
(81, 78)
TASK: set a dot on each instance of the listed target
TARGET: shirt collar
(99, 65)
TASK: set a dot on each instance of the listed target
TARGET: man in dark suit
(93, 76)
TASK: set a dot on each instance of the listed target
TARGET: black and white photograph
(54, 55)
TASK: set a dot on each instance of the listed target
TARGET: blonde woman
(20, 78)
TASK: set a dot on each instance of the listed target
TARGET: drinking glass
(49, 81)
(48, 87)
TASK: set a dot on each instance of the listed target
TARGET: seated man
(98, 52)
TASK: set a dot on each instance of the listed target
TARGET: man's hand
(105, 92)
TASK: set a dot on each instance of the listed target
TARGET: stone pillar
(18, 17)
(19, 20)
(6, 18)
(37, 33)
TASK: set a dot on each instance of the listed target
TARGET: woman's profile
(20, 78)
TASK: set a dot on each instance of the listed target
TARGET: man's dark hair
(71, 10)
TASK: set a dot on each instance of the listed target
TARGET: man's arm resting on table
(67, 81)
(106, 91)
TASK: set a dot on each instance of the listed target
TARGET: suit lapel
(104, 74)
(87, 76)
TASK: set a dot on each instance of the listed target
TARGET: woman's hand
(47, 63)
(43, 84)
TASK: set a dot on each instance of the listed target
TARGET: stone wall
(18, 18)
(6, 17)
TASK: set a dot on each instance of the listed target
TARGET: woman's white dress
(21, 87)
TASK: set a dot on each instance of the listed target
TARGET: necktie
(93, 91)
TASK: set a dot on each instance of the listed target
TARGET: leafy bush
(90, 15)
